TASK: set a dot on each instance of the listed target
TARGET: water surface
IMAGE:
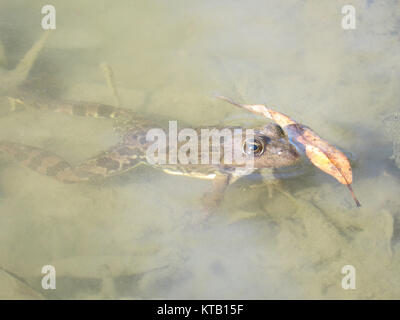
(129, 237)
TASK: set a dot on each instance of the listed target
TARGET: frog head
(269, 147)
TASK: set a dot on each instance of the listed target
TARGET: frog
(269, 147)
(391, 125)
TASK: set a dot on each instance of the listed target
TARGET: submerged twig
(24, 66)
(109, 75)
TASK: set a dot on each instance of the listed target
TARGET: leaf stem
(353, 195)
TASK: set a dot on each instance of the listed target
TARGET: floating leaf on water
(321, 154)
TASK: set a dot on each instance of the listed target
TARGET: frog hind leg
(124, 119)
(112, 162)
(74, 108)
(41, 161)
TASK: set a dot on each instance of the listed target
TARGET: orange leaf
(326, 157)
(321, 154)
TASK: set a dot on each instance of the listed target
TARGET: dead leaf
(321, 154)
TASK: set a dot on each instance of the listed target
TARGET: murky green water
(129, 237)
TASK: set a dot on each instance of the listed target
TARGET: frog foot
(273, 187)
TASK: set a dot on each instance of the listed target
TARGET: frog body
(268, 148)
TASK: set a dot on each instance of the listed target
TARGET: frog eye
(253, 146)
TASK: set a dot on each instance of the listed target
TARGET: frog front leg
(212, 199)
(116, 160)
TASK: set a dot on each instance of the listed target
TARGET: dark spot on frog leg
(131, 163)
(105, 111)
(21, 155)
(87, 175)
(108, 163)
(54, 170)
(79, 110)
(142, 140)
(126, 151)
(35, 162)
(15, 150)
